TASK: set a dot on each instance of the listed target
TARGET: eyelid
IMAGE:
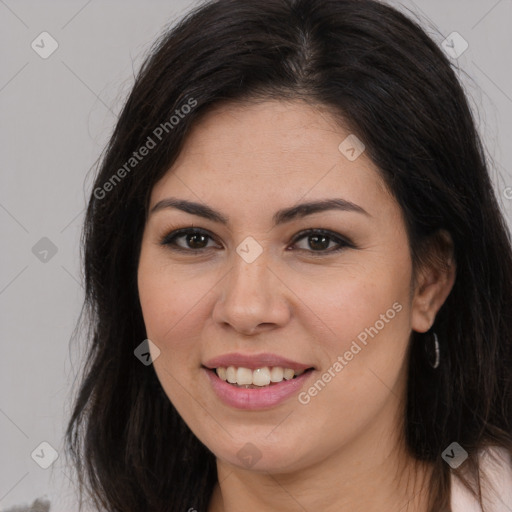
(173, 234)
(342, 241)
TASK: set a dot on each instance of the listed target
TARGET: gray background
(57, 114)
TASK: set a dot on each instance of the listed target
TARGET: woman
(294, 223)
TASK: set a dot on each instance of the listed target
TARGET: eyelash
(169, 240)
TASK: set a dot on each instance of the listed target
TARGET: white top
(501, 478)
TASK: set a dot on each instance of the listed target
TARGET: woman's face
(262, 298)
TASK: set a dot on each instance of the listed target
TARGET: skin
(342, 450)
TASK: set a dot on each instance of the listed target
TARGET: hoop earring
(433, 351)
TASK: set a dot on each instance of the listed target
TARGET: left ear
(433, 280)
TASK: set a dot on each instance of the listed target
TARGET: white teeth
(276, 374)
(222, 373)
(243, 376)
(259, 377)
(288, 373)
(230, 374)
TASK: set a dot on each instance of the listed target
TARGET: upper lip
(254, 361)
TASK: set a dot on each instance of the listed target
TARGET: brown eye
(321, 241)
(196, 240)
(192, 240)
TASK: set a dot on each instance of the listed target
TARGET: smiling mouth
(256, 379)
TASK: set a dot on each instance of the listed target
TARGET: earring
(432, 351)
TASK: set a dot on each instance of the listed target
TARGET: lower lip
(253, 398)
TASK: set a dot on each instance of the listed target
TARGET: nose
(252, 298)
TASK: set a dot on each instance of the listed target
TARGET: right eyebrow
(190, 207)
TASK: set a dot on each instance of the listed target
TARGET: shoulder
(497, 464)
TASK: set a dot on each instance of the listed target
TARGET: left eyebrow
(303, 209)
(280, 217)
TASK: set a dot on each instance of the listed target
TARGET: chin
(263, 456)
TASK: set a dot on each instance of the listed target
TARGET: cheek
(165, 296)
(358, 303)
(367, 332)
(369, 325)
(174, 304)
(170, 307)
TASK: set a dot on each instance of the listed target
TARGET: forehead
(270, 150)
